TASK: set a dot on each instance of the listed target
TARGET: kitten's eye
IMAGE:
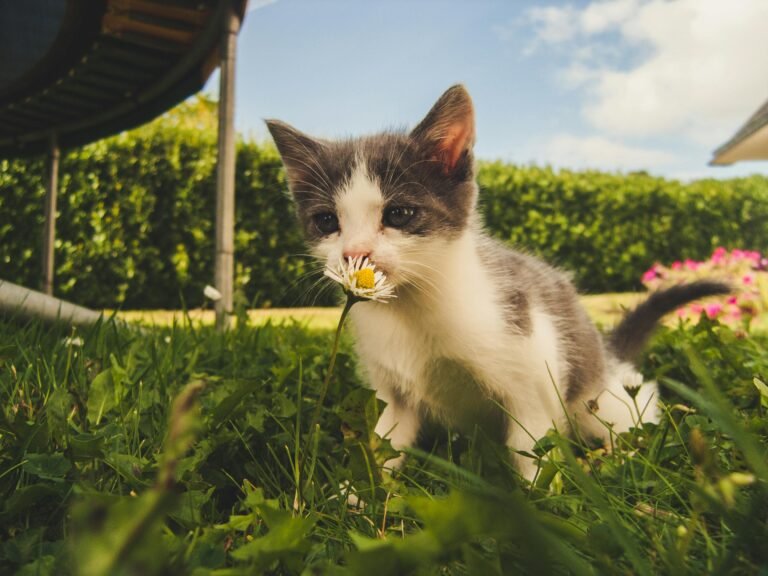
(326, 222)
(398, 216)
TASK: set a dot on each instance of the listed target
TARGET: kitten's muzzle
(356, 253)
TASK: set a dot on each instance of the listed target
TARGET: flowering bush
(745, 270)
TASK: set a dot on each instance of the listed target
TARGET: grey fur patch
(525, 282)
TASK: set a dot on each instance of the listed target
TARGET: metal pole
(225, 178)
(49, 229)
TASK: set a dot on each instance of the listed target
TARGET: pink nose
(355, 253)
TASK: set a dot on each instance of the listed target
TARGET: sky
(616, 85)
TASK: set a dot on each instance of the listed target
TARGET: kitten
(475, 326)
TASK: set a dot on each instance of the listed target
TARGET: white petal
(332, 275)
(211, 292)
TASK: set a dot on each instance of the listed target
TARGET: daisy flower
(360, 279)
(211, 293)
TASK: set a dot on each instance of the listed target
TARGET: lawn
(103, 472)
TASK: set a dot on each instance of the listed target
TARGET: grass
(179, 450)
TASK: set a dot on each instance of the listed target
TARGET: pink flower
(719, 255)
(652, 273)
(696, 308)
(732, 299)
(748, 279)
(676, 265)
(713, 310)
(691, 264)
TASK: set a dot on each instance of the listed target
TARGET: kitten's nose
(355, 253)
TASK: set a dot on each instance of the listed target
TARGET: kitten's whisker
(407, 169)
(297, 283)
(320, 197)
(439, 273)
(420, 288)
(322, 176)
(314, 270)
(424, 284)
(313, 292)
(311, 258)
(312, 191)
(322, 290)
(399, 190)
(391, 168)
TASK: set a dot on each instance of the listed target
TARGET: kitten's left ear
(448, 131)
(299, 152)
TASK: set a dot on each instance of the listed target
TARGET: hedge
(609, 228)
(135, 224)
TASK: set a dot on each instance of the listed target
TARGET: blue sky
(608, 84)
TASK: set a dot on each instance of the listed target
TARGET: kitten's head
(396, 197)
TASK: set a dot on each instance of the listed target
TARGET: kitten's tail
(630, 336)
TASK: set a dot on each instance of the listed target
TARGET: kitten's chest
(404, 349)
(430, 363)
(455, 395)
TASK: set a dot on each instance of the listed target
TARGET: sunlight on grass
(605, 310)
(311, 318)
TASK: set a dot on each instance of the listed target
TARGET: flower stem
(313, 426)
(324, 390)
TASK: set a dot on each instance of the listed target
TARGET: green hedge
(609, 228)
(135, 225)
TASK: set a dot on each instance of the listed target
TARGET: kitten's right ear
(299, 152)
(448, 131)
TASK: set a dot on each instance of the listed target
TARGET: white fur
(458, 323)
(359, 206)
(443, 345)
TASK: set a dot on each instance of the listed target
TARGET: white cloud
(698, 68)
(601, 16)
(558, 24)
(553, 24)
(579, 74)
(569, 151)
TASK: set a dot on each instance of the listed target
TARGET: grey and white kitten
(479, 334)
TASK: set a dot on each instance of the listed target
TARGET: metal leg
(225, 181)
(49, 230)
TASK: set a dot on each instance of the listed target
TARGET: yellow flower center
(365, 278)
